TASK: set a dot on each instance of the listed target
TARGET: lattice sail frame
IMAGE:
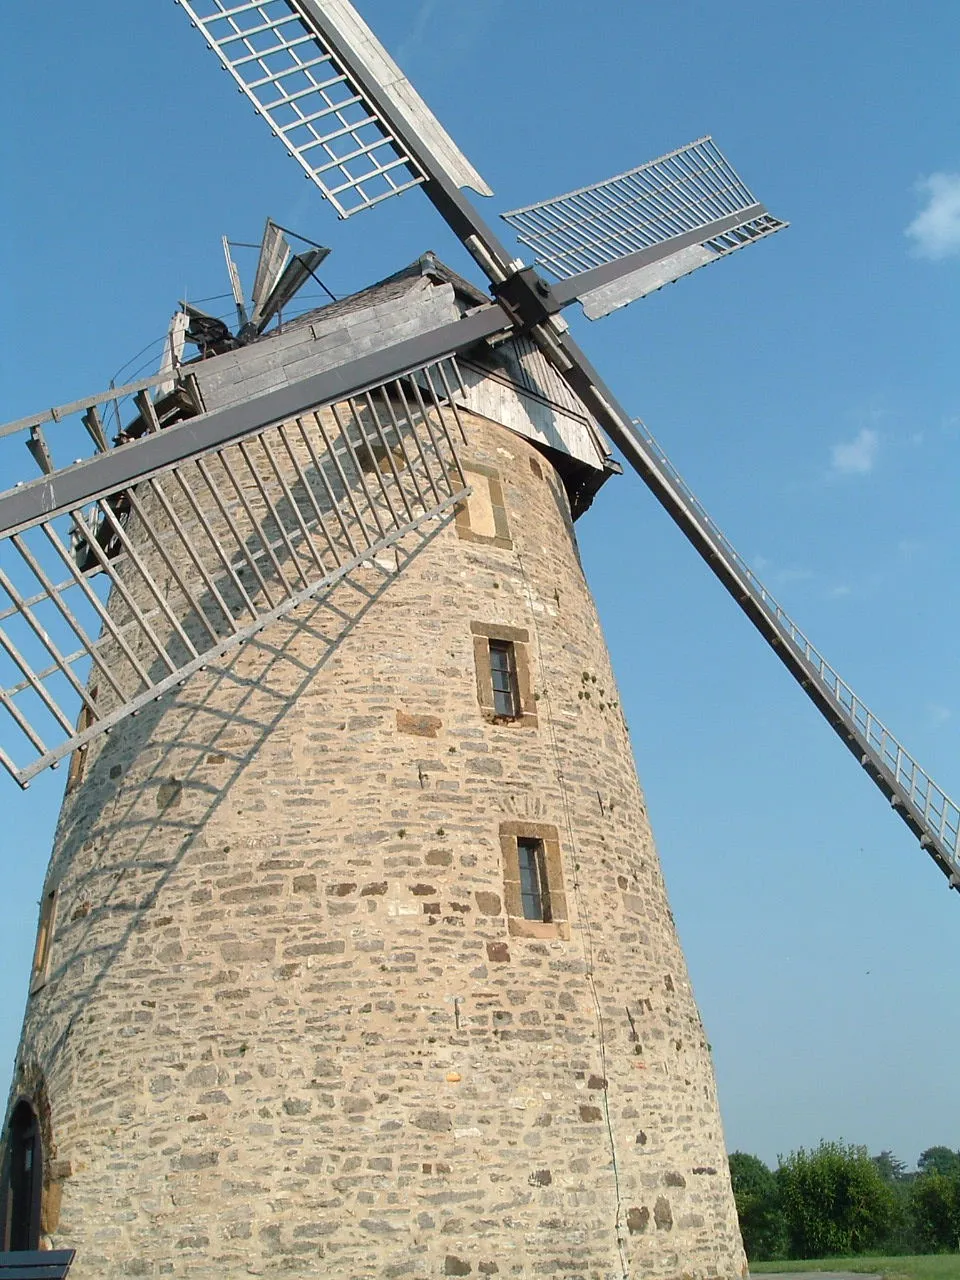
(277, 53)
(677, 195)
(926, 808)
(118, 602)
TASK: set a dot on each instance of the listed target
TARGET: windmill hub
(527, 297)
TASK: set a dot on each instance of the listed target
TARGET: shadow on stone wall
(163, 774)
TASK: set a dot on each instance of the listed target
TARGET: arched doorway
(22, 1181)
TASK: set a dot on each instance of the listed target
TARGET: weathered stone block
(433, 1121)
(198, 1160)
(258, 950)
(638, 1220)
(422, 726)
(663, 1214)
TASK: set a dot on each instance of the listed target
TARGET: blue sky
(808, 389)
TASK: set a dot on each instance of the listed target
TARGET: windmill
(329, 476)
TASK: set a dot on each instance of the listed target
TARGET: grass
(933, 1266)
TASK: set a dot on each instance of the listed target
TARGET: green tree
(939, 1160)
(898, 1238)
(935, 1211)
(762, 1223)
(835, 1201)
(889, 1167)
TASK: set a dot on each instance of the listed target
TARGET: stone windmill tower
(354, 955)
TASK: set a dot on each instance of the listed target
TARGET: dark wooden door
(22, 1181)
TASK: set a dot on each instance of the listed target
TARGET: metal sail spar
(618, 240)
(929, 812)
(109, 599)
(303, 64)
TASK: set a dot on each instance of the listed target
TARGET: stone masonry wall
(288, 1026)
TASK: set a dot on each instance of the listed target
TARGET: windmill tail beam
(926, 809)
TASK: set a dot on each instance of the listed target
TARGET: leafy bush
(762, 1223)
(935, 1211)
(834, 1200)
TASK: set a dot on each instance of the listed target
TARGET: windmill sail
(926, 809)
(621, 239)
(235, 287)
(295, 276)
(172, 352)
(268, 520)
(274, 253)
(313, 71)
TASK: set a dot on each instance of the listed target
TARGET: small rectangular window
(504, 685)
(78, 761)
(534, 899)
(41, 954)
(503, 677)
(534, 886)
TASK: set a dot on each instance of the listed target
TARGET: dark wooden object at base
(36, 1264)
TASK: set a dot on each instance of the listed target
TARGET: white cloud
(909, 548)
(855, 457)
(457, 27)
(784, 577)
(415, 38)
(935, 231)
